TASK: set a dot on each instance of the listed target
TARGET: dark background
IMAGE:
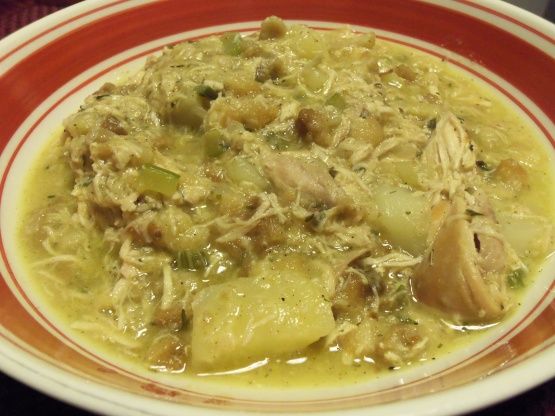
(17, 399)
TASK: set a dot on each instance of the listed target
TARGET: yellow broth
(163, 208)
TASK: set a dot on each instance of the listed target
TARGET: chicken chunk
(311, 178)
(465, 267)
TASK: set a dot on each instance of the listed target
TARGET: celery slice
(156, 179)
(214, 143)
(337, 101)
(232, 43)
(191, 260)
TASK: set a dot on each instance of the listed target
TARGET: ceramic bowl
(46, 70)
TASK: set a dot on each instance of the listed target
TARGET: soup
(316, 204)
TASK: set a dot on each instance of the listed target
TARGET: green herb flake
(206, 92)
(233, 43)
(482, 165)
(515, 279)
(407, 320)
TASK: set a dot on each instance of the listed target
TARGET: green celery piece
(206, 92)
(214, 143)
(233, 43)
(192, 260)
(156, 179)
(337, 101)
(515, 279)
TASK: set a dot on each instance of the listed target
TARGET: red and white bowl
(48, 68)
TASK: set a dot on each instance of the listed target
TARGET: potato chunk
(249, 319)
(252, 113)
(527, 234)
(174, 229)
(404, 217)
(368, 130)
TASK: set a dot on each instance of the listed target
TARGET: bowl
(49, 67)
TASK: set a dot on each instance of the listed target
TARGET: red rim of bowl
(171, 18)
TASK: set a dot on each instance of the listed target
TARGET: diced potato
(308, 44)
(405, 216)
(423, 110)
(120, 152)
(366, 40)
(229, 200)
(242, 321)
(253, 114)
(527, 235)
(241, 84)
(405, 151)
(186, 150)
(295, 264)
(408, 172)
(174, 229)
(367, 129)
(314, 78)
(80, 123)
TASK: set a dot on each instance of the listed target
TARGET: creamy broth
(283, 201)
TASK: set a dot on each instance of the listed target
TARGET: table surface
(18, 399)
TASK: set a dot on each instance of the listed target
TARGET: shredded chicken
(252, 198)
(450, 154)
